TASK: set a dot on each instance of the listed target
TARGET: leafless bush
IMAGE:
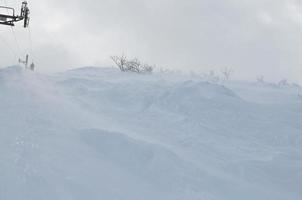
(260, 79)
(283, 83)
(168, 71)
(164, 71)
(133, 65)
(296, 85)
(120, 61)
(227, 72)
(211, 77)
(148, 68)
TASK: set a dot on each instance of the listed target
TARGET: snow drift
(97, 133)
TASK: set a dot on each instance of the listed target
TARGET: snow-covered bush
(133, 65)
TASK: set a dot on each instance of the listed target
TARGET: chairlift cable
(16, 40)
(10, 19)
(12, 52)
(13, 32)
(30, 43)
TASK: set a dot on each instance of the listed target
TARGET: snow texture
(97, 133)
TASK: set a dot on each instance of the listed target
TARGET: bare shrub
(211, 77)
(283, 83)
(260, 79)
(227, 72)
(133, 65)
(120, 61)
(296, 85)
(148, 68)
(167, 71)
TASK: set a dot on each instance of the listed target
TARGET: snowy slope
(96, 133)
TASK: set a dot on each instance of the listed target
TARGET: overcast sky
(254, 37)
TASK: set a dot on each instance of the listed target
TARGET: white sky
(254, 37)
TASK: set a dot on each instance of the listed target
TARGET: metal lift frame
(10, 19)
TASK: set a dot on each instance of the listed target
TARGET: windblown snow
(97, 133)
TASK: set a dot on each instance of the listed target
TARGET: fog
(254, 37)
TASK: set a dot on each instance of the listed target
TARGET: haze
(254, 37)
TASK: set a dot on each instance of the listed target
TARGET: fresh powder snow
(97, 133)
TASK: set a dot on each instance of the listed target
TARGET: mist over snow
(196, 100)
(254, 37)
(97, 133)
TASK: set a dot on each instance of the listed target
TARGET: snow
(96, 133)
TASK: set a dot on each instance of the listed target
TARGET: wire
(6, 43)
(30, 48)
(30, 43)
(13, 53)
(16, 40)
(14, 34)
